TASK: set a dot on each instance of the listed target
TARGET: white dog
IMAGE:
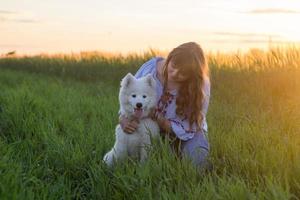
(137, 97)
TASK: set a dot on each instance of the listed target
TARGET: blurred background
(55, 26)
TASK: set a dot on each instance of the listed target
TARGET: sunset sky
(49, 26)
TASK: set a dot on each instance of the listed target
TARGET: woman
(183, 89)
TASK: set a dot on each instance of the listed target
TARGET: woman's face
(174, 74)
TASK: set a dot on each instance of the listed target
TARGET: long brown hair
(189, 59)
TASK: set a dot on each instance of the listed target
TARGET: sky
(124, 26)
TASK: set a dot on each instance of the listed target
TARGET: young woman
(183, 89)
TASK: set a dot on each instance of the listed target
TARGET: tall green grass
(58, 114)
(93, 66)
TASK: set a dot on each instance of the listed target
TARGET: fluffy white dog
(137, 97)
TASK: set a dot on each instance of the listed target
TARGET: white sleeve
(205, 103)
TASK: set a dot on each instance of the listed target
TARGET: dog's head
(137, 96)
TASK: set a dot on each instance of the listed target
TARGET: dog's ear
(127, 80)
(150, 81)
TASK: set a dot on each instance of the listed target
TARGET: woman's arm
(164, 124)
(128, 126)
(146, 68)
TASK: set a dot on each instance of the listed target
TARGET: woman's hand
(152, 114)
(128, 126)
(164, 124)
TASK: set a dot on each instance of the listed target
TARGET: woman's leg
(197, 150)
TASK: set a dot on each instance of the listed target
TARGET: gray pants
(196, 149)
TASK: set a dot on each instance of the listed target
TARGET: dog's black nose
(139, 105)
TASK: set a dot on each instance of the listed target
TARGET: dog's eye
(133, 95)
(144, 96)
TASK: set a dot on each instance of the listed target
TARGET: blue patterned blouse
(180, 126)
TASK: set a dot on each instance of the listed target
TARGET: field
(58, 114)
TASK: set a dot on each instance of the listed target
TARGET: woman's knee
(197, 155)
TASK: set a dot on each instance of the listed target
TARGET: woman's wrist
(164, 124)
(167, 126)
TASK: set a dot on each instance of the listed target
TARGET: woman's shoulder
(148, 67)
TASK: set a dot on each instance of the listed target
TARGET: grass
(58, 114)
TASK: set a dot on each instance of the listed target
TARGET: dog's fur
(137, 97)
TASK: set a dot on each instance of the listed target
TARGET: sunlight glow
(130, 26)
